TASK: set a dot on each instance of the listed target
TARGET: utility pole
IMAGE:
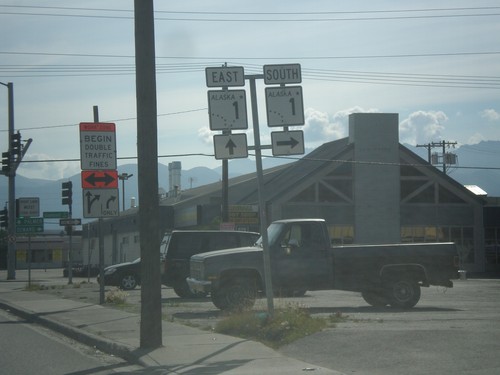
(11, 247)
(444, 145)
(147, 165)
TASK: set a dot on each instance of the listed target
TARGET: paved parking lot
(450, 331)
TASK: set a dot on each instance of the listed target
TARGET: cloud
(422, 127)
(47, 170)
(475, 139)
(320, 127)
(490, 115)
(205, 135)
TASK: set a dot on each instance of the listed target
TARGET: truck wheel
(375, 299)
(182, 290)
(235, 295)
(403, 293)
(129, 281)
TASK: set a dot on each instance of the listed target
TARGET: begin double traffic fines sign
(99, 175)
(97, 146)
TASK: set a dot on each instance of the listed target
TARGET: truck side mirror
(292, 244)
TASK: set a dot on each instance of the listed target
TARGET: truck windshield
(273, 231)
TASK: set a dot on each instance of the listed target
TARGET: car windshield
(272, 233)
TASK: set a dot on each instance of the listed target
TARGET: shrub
(116, 296)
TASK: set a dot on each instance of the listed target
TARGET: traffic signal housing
(67, 193)
(5, 162)
(15, 144)
(4, 218)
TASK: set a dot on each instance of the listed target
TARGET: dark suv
(179, 246)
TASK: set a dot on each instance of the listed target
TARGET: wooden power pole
(147, 165)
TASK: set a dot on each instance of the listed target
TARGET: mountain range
(477, 165)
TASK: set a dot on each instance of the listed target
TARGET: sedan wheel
(129, 282)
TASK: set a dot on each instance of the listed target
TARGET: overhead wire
(319, 16)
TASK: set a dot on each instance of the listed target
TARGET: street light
(123, 177)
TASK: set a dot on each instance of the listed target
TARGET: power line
(112, 120)
(260, 13)
(360, 162)
(226, 58)
(362, 77)
(320, 16)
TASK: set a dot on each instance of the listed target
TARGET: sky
(436, 64)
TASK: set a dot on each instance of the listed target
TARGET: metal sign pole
(260, 191)
(101, 238)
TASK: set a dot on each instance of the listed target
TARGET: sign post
(227, 111)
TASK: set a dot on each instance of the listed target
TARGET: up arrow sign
(230, 146)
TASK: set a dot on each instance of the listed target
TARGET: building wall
(376, 177)
(47, 251)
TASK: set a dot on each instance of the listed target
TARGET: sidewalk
(185, 349)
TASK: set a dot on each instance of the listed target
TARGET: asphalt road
(450, 331)
(26, 348)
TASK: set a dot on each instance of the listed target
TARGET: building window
(341, 234)
(492, 245)
(417, 191)
(307, 195)
(446, 196)
(462, 236)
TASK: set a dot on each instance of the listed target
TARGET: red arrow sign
(100, 179)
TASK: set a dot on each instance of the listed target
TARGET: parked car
(123, 275)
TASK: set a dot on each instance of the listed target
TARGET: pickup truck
(302, 258)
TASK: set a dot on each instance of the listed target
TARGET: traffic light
(5, 162)
(67, 193)
(15, 144)
(4, 218)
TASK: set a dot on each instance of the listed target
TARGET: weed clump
(33, 287)
(285, 326)
(116, 296)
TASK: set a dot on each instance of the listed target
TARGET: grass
(33, 287)
(286, 325)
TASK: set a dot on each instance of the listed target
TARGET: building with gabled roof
(368, 187)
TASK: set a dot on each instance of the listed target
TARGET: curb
(84, 337)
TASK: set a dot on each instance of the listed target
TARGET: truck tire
(129, 281)
(403, 293)
(375, 299)
(182, 290)
(235, 295)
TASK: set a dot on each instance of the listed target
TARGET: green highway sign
(56, 215)
(28, 225)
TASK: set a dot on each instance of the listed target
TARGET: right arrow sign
(288, 142)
